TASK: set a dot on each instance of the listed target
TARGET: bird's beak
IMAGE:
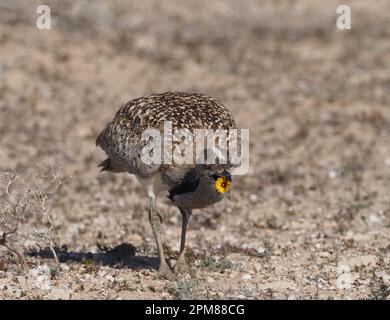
(227, 175)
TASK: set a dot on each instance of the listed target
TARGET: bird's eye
(215, 177)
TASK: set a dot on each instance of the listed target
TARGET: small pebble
(64, 267)
(246, 276)
(210, 280)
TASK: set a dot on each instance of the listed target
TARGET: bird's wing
(188, 183)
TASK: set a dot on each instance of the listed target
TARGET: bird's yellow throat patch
(222, 185)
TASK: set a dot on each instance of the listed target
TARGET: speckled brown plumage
(121, 139)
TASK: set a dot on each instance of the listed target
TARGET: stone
(64, 267)
(23, 283)
(246, 276)
(278, 285)
(210, 280)
(359, 260)
(59, 294)
(43, 282)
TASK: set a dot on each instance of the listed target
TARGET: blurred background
(315, 98)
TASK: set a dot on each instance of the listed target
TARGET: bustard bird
(189, 186)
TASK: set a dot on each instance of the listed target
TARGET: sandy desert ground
(311, 220)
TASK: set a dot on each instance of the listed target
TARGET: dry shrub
(25, 206)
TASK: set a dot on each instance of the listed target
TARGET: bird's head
(201, 187)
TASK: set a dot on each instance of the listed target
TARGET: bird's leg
(155, 222)
(181, 264)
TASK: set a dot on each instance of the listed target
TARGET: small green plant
(380, 293)
(211, 264)
(184, 290)
(90, 265)
(54, 271)
(380, 290)
(86, 262)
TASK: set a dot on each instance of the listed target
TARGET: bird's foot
(165, 272)
(181, 265)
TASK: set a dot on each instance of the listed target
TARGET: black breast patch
(188, 184)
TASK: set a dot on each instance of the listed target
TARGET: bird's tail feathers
(109, 165)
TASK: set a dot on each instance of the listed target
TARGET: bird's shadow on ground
(123, 255)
